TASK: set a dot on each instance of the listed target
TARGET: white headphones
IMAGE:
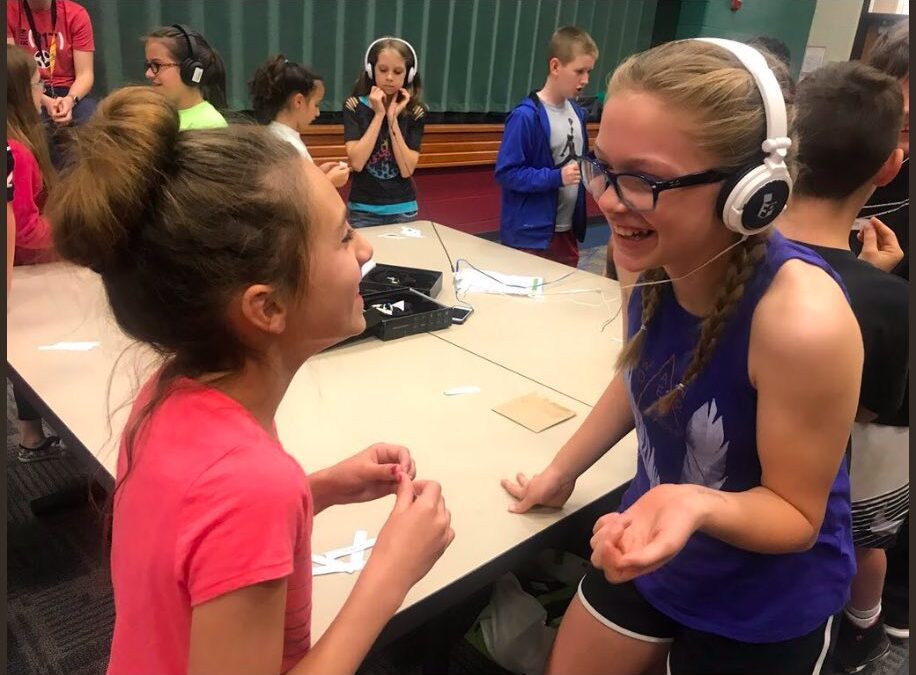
(411, 72)
(751, 199)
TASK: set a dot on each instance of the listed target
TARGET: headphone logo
(768, 207)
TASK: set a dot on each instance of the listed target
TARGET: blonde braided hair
(744, 260)
(651, 298)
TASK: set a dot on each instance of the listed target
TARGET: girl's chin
(635, 256)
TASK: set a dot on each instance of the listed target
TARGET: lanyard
(52, 45)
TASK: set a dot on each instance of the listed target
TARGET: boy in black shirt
(848, 119)
(891, 202)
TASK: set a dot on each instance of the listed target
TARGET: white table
(556, 339)
(349, 397)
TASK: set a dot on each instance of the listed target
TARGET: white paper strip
(411, 232)
(457, 391)
(69, 347)
(328, 563)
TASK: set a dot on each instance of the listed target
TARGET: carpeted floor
(59, 608)
(59, 603)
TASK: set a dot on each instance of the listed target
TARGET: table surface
(349, 397)
(558, 339)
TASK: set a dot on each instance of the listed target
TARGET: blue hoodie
(529, 179)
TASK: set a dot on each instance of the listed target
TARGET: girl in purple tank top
(732, 547)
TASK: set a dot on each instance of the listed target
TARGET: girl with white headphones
(732, 547)
(383, 129)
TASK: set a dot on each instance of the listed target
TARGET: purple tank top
(710, 439)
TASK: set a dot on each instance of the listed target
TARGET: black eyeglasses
(636, 191)
(156, 66)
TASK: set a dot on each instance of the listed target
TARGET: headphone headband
(753, 198)
(774, 106)
(411, 72)
(181, 28)
(192, 70)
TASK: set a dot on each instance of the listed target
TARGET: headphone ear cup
(751, 200)
(728, 188)
(192, 72)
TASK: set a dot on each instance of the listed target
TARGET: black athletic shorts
(692, 652)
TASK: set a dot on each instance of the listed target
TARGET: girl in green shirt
(185, 69)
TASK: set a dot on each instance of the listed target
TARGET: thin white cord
(901, 205)
(619, 309)
(503, 283)
(451, 269)
(897, 203)
(668, 281)
(604, 302)
(574, 291)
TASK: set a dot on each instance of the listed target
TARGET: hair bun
(269, 88)
(117, 171)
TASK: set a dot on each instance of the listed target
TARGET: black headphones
(190, 68)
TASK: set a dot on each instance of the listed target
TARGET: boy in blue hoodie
(543, 200)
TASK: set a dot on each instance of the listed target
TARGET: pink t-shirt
(73, 30)
(33, 231)
(211, 504)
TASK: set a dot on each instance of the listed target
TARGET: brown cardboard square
(534, 412)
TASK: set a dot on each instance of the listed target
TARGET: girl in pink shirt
(233, 259)
(10, 218)
(33, 172)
